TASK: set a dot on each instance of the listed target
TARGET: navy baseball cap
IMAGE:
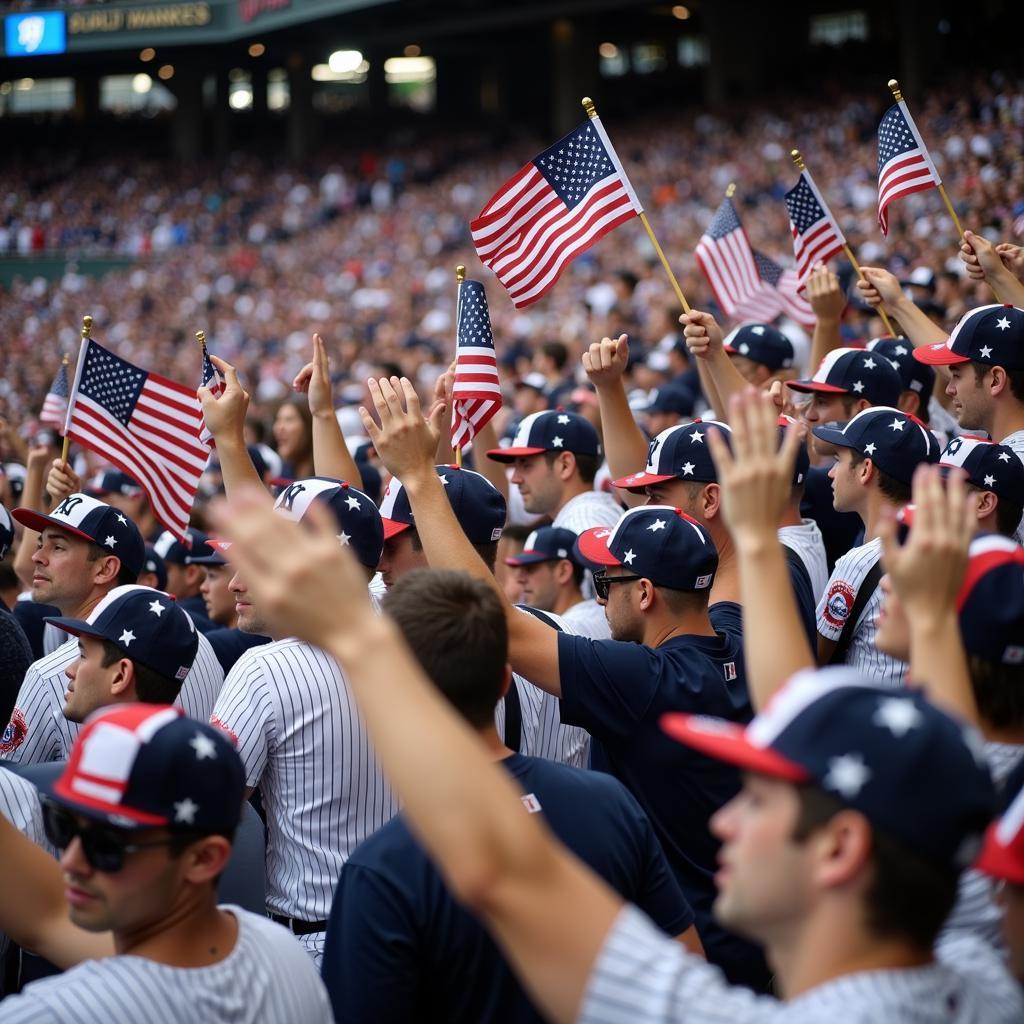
(93, 520)
(546, 544)
(989, 466)
(914, 772)
(6, 531)
(155, 564)
(993, 335)
(763, 344)
(896, 442)
(535, 381)
(661, 543)
(477, 503)
(991, 600)
(183, 552)
(551, 431)
(1002, 855)
(670, 399)
(146, 624)
(855, 372)
(112, 481)
(680, 452)
(914, 375)
(138, 766)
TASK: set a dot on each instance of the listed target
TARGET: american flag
(725, 256)
(787, 286)
(904, 165)
(55, 404)
(146, 425)
(816, 235)
(553, 209)
(476, 396)
(210, 379)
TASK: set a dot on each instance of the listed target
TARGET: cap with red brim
(638, 481)
(593, 546)
(1000, 860)
(392, 527)
(38, 522)
(810, 386)
(511, 454)
(726, 741)
(939, 354)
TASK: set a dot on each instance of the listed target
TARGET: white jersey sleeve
(202, 684)
(245, 712)
(588, 619)
(587, 510)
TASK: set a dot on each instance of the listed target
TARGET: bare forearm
(331, 456)
(625, 446)
(237, 470)
(720, 380)
(939, 664)
(826, 338)
(916, 324)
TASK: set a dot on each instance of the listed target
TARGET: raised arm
(331, 456)
(549, 913)
(879, 288)
(756, 478)
(998, 266)
(406, 444)
(625, 446)
(927, 572)
(225, 419)
(704, 339)
(828, 302)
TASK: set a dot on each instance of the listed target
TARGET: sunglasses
(105, 848)
(603, 583)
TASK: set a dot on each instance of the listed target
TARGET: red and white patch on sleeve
(15, 733)
(839, 603)
(230, 733)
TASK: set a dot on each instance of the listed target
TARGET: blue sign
(27, 35)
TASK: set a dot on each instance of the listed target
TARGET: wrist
(419, 477)
(754, 542)
(930, 621)
(363, 631)
(323, 415)
(827, 319)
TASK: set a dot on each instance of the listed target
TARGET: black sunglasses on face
(603, 583)
(105, 848)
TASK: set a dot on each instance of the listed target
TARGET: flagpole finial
(65, 359)
(201, 338)
(460, 273)
(588, 106)
(896, 91)
(730, 190)
(798, 159)
(86, 326)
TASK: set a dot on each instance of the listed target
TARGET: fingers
(412, 400)
(303, 377)
(369, 424)
(886, 529)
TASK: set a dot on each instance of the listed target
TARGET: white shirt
(807, 542)
(265, 979)
(587, 618)
(294, 719)
(586, 510)
(836, 604)
(38, 730)
(642, 975)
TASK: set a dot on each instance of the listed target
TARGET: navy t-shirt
(839, 530)
(196, 608)
(400, 949)
(618, 691)
(230, 644)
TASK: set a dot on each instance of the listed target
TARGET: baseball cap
(356, 515)
(670, 399)
(679, 452)
(761, 343)
(546, 544)
(989, 466)
(552, 431)
(1002, 855)
(920, 277)
(896, 442)
(139, 766)
(856, 372)
(990, 604)
(993, 335)
(535, 381)
(180, 552)
(112, 481)
(95, 521)
(155, 564)
(146, 624)
(478, 505)
(914, 375)
(6, 531)
(659, 542)
(915, 773)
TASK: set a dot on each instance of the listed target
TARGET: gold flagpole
(460, 276)
(802, 167)
(588, 106)
(86, 331)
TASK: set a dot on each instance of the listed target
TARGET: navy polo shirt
(399, 948)
(229, 644)
(839, 530)
(618, 691)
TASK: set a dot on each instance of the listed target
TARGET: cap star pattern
(658, 524)
(557, 442)
(869, 363)
(986, 351)
(563, 420)
(898, 716)
(185, 811)
(627, 558)
(156, 608)
(352, 502)
(1003, 324)
(126, 638)
(574, 164)
(203, 746)
(847, 775)
(696, 437)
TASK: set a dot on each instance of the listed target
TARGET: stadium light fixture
(680, 12)
(257, 50)
(141, 83)
(343, 62)
(147, 54)
(409, 69)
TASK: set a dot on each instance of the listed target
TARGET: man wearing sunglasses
(144, 814)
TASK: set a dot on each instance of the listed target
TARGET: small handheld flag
(55, 404)
(476, 395)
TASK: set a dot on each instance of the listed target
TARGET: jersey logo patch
(15, 733)
(730, 671)
(531, 803)
(839, 602)
(230, 733)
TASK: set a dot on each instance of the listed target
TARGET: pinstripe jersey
(19, 804)
(265, 979)
(294, 720)
(38, 730)
(807, 542)
(1016, 442)
(586, 510)
(642, 975)
(836, 604)
(588, 619)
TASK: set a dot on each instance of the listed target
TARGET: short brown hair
(151, 687)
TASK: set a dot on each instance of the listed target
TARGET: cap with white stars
(680, 452)
(554, 430)
(992, 334)
(987, 465)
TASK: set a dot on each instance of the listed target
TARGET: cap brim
(809, 387)
(832, 435)
(939, 355)
(93, 807)
(531, 558)
(221, 546)
(998, 861)
(38, 522)
(511, 454)
(76, 627)
(214, 559)
(593, 546)
(638, 481)
(392, 527)
(726, 741)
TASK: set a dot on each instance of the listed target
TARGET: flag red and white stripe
(816, 235)
(476, 394)
(725, 256)
(55, 405)
(904, 163)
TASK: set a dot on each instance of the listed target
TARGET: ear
(193, 575)
(998, 381)
(909, 402)
(711, 497)
(842, 850)
(506, 683)
(563, 571)
(206, 858)
(861, 404)
(566, 465)
(866, 470)
(985, 504)
(123, 682)
(646, 594)
(106, 570)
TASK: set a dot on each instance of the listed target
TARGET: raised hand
(62, 481)
(824, 294)
(880, 288)
(225, 416)
(405, 441)
(703, 335)
(606, 360)
(314, 379)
